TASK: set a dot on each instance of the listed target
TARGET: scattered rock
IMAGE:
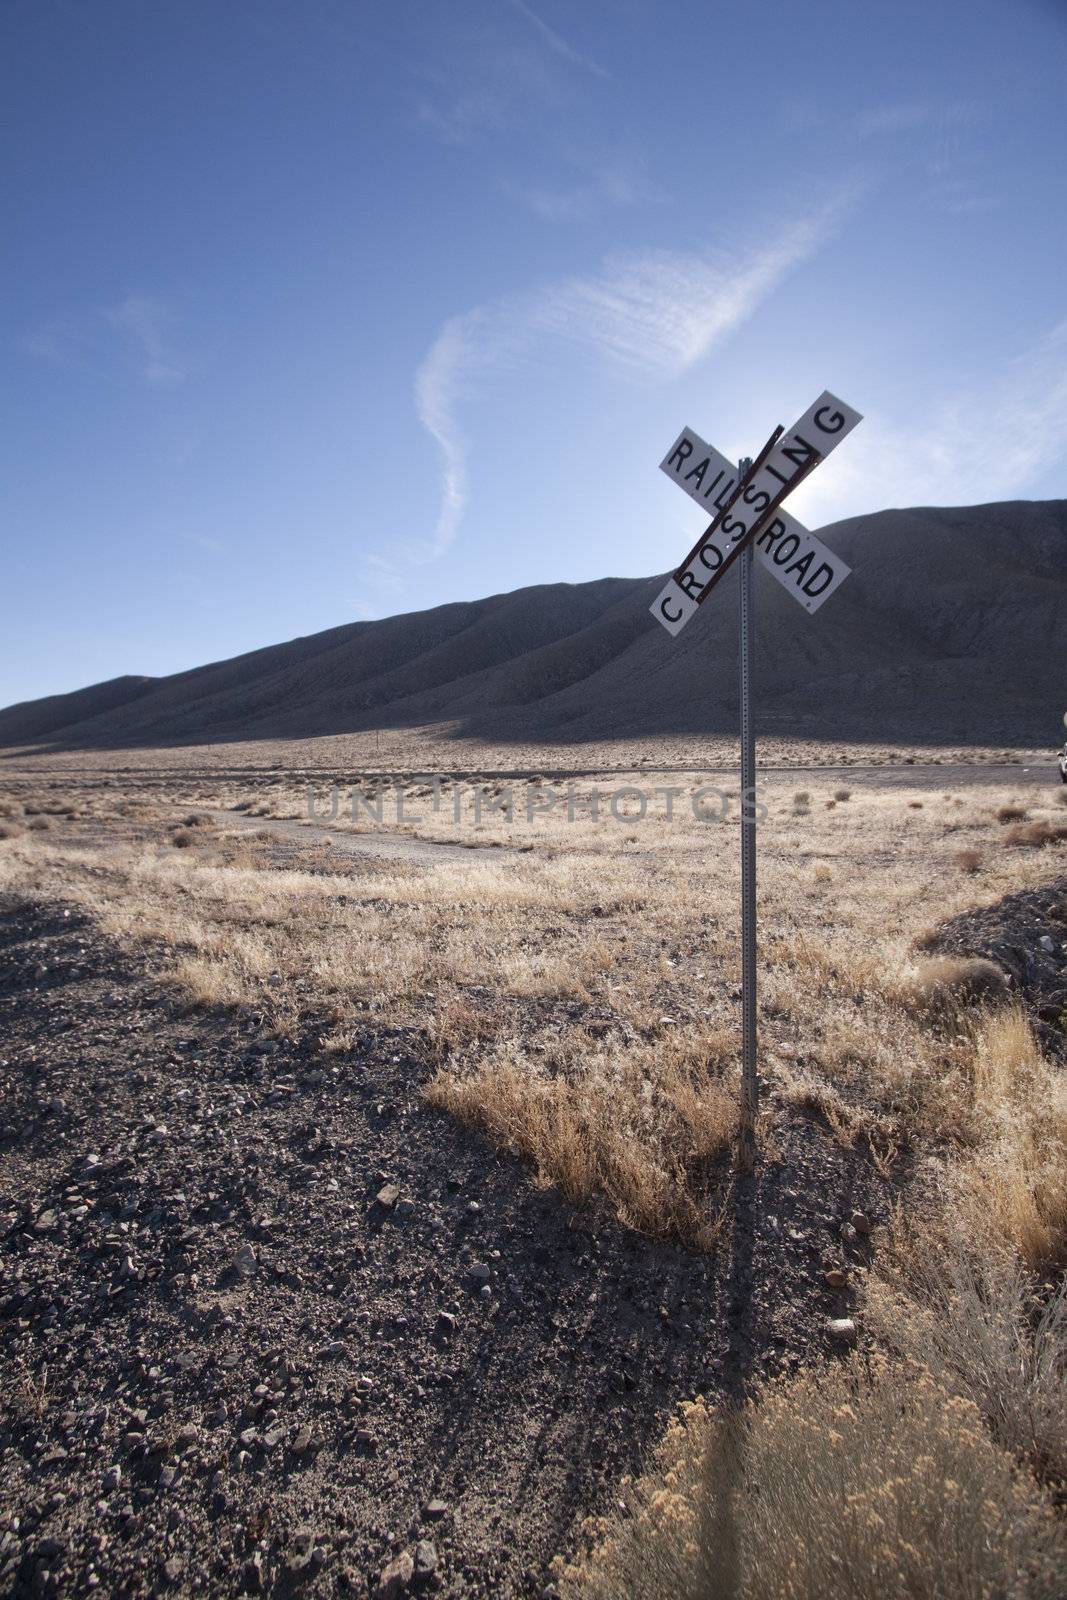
(301, 1440)
(425, 1559)
(480, 1271)
(436, 1509)
(861, 1222)
(245, 1262)
(835, 1278)
(395, 1576)
(387, 1196)
(842, 1328)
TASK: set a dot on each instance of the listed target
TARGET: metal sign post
(748, 520)
(749, 1083)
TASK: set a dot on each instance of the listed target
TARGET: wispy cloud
(987, 443)
(581, 201)
(501, 78)
(650, 315)
(137, 329)
(475, 110)
(204, 541)
(906, 116)
(144, 321)
(556, 42)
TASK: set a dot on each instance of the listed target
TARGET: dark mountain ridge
(952, 628)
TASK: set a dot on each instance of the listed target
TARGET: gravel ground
(270, 1323)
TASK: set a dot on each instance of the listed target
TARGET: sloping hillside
(953, 627)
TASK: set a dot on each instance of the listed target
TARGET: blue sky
(320, 312)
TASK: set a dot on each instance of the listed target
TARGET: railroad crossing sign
(746, 516)
(804, 566)
(750, 507)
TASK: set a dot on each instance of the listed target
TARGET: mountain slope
(953, 627)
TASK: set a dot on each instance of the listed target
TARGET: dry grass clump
(642, 1125)
(1035, 835)
(854, 1482)
(842, 794)
(459, 1026)
(1061, 798)
(9, 830)
(1013, 1187)
(968, 860)
(949, 983)
(182, 838)
(37, 823)
(979, 1324)
(1011, 813)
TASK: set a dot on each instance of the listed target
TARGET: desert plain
(373, 1213)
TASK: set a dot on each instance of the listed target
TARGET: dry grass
(1013, 1187)
(858, 1483)
(969, 860)
(1011, 813)
(573, 920)
(646, 1126)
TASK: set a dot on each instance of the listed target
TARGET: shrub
(9, 830)
(1034, 835)
(802, 798)
(1012, 813)
(951, 982)
(848, 1483)
(968, 860)
(842, 794)
(38, 824)
(979, 1326)
(182, 838)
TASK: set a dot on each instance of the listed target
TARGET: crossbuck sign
(742, 510)
(745, 503)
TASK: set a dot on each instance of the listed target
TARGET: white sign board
(812, 437)
(801, 562)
